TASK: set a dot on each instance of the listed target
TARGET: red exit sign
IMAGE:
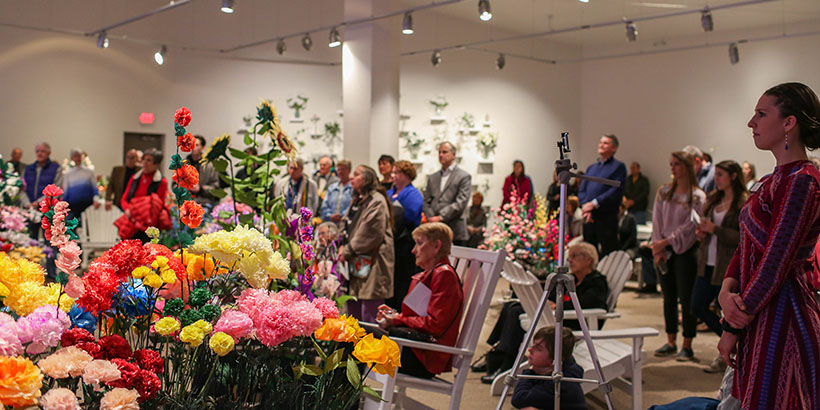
(147, 118)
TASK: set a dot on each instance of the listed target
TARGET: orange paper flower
(186, 176)
(191, 214)
(186, 143)
(20, 382)
(382, 354)
(343, 329)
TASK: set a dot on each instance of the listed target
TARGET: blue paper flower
(82, 319)
(132, 299)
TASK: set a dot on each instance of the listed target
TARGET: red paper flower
(125, 257)
(91, 348)
(73, 336)
(52, 190)
(183, 117)
(128, 371)
(149, 360)
(154, 249)
(186, 176)
(147, 384)
(46, 228)
(186, 143)
(191, 214)
(115, 347)
(100, 285)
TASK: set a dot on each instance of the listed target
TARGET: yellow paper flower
(344, 329)
(160, 262)
(153, 280)
(54, 290)
(221, 343)
(382, 354)
(169, 276)
(279, 267)
(23, 298)
(228, 247)
(140, 272)
(14, 272)
(20, 382)
(166, 326)
(192, 335)
(200, 267)
(203, 325)
(254, 269)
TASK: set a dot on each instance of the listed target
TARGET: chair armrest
(431, 346)
(635, 332)
(588, 313)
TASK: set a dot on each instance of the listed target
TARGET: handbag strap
(460, 289)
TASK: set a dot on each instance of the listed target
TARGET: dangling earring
(787, 141)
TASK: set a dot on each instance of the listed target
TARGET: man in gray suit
(447, 194)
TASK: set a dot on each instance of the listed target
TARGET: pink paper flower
(275, 325)
(75, 287)
(60, 399)
(69, 258)
(120, 399)
(68, 361)
(327, 307)
(43, 328)
(100, 371)
(10, 344)
(253, 301)
(234, 323)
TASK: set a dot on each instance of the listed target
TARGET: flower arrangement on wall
(228, 320)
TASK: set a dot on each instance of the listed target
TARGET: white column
(370, 84)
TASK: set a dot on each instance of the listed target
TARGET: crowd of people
(722, 238)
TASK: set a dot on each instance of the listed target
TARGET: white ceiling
(201, 26)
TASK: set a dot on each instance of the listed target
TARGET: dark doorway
(141, 141)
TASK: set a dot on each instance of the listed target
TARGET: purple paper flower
(306, 214)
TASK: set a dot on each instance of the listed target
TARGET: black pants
(603, 231)
(677, 287)
(412, 366)
(508, 333)
(703, 295)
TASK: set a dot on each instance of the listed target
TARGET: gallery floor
(665, 380)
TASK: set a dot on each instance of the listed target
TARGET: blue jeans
(702, 296)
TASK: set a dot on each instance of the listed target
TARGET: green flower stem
(235, 219)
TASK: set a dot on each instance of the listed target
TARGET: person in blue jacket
(408, 203)
(599, 202)
(533, 394)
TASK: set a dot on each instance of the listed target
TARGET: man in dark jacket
(599, 202)
(636, 193)
(36, 177)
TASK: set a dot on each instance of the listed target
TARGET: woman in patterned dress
(771, 318)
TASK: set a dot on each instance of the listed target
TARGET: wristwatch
(728, 328)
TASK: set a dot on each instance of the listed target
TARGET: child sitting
(540, 394)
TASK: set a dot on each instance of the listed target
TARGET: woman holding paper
(675, 217)
(433, 304)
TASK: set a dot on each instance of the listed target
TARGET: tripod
(560, 282)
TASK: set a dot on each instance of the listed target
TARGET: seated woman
(443, 311)
(591, 288)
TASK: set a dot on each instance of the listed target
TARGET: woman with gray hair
(369, 250)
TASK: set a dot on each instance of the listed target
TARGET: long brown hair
(737, 186)
(689, 163)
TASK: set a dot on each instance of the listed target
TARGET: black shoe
(666, 350)
(489, 378)
(686, 355)
(479, 367)
(649, 290)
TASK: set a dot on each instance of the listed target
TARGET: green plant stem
(235, 219)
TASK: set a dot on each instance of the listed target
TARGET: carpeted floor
(665, 380)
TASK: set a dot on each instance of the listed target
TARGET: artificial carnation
(10, 344)
(199, 297)
(147, 384)
(168, 276)
(52, 190)
(154, 250)
(221, 343)
(115, 347)
(204, 326)
(192, 335)
(76, 335)
(101, 283)
(91, 348)
(343, 329)
(279, 267)
(191, 214)
(253, 301)
(166, 326)
(189, 316)
(75, 287)
(186, 176)
(24, 297)
(228, 247)
(254, 269)
(383, 355)
(234, 323)
(153, 280)
(69, 258)
(98, 372)
(182, 116)
(173, 307)
(57, 296)
(128, 374)
(60, 399)
(120, 399)
(125, 256)
(68, 361)
(210, 312)
(327, 307)
(150, 360)
(186, 143)
(140, 272)
(20, 382)
(43, 328)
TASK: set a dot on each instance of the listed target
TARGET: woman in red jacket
(521, 182)
(441, 316)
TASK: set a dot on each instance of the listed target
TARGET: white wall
(659, 103)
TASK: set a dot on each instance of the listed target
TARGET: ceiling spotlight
(631, 31)
(281, 46)
(436, 58)
(307, 43)
(734, 55)
(584, 1)
(706, 20)
(500, 62)
(159, 56)
(102, 40)
(484, 12)
(407, 24)
(333, 39)
(227, 6)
